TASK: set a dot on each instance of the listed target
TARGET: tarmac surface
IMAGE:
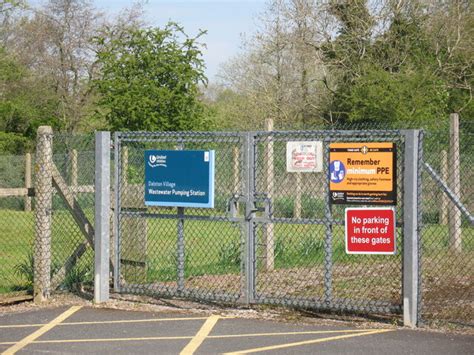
(78, 330)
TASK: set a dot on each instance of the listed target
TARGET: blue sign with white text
(179, 178)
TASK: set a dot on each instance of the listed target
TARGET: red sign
(370, 231)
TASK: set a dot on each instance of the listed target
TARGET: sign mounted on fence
(304, 157)
(370, 231)
(363, 173)
(179, 178)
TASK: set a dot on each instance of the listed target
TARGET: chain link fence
(173, 251)
(201, 253)
(287, 249)
(304, 237)
(64, 259)
(447, 249)
(16, 224)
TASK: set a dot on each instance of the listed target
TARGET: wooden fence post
(454, 183)
(297, 206)
(44, 199)
(235, 188)
(236, 169)
(268, 231)
(27, 181)
(444, 199)
(74, 169)
(124, 170)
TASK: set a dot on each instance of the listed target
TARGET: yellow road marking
(307, 342)
(358, 331)
(110, 322)
(208, 337)
(32, 337)
(195, 342)
(22, 325)
(245, 335)
(107, 340)
(288, 333)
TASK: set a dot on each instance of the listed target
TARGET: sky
(224, 20)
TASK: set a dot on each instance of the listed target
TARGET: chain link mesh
(169, 251)
(309, 264)
(16, 225)
(447, 239)
(72, 261)
(42, 246)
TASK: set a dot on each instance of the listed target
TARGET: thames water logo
(157, 160)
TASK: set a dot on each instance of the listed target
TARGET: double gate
(273, 236)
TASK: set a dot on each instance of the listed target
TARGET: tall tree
(149, 80)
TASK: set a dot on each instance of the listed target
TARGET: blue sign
(179, 178)
(337, 171)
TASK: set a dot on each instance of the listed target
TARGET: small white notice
(304, 157)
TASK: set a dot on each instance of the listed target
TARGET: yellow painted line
(111, 322)
(32, 337)
(133, 321)
(22, 325)
(196, 342)
(190, 337)
(288, 333)
(208, 337)
(99, 340)
(109, 340)
(307, 342)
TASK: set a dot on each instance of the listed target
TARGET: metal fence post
(117, 191)
(328, 262)
(411, 229)
(43, 209)
(102, 216)
(248, 172)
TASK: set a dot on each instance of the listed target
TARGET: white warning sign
(304, 157)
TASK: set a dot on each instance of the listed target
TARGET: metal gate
(178, 252)
(273, 236)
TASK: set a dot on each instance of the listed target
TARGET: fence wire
(305, 237)
(59, 257)
(204, 253)
(447, 253)
(173, 251)
(16, 226)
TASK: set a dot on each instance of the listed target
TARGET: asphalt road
(78, 330)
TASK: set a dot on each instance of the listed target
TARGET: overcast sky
(225, 21)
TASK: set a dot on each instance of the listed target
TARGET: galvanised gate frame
(273, 236)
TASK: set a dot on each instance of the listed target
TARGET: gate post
(102, 217)
(411, 228)
(248, 170)
(117, 192)
(43, 209)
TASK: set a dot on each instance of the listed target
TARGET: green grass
(16, 247)
(211, 248)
